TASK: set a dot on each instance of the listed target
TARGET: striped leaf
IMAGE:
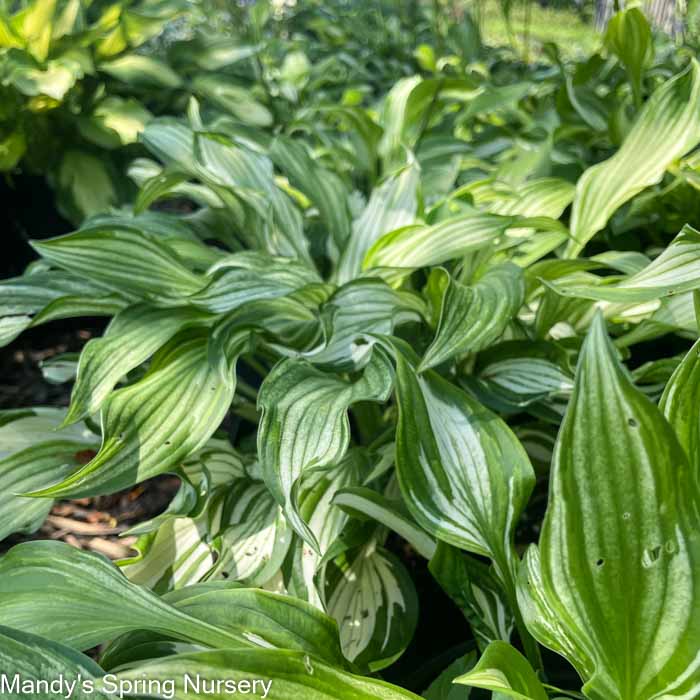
(131, 338)
(304, 423)
(446, 444)
(505, 671)
(666, 128)
(287, 674)
(123, 259)
(676, 270)
(375, 604)
(151, 426)
(358, 309)
(392, 205)
(27, 658)
(621, 526)
(473, 317)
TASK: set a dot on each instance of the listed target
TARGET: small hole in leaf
(600, 562)
(632, 422)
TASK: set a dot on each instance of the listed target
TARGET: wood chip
(81, 528)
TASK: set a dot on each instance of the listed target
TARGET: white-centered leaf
(621, 526)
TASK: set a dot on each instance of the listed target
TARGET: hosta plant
(426, 320)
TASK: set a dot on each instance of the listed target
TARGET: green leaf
(130, 339)
(32, 659)
(667, 127)
(123, 258)
(392, 204)
(235, 99)
(621, 527)
(143, 71)
(502, 669)
(31, 468)
(151, 426)
(674, 271)
(287, 674)
(680, 403)
(90, 602)
(473, 317)
(304, 422)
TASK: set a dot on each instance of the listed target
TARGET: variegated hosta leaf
(130, 339)
(666, 128)
(357, 309)
(91, 601)
(424, 245)
(676, 270)
(444, 688)
(621, 526)
(153, 425)
(473, 317)
(30, 659)
(505, 671)
(124, 259)
(291, 675)
(680, 404)
(325, 520)
(392, 205)
(375, 604)
(463, 474)
(323, 187)
(476, 592)
(176, 555)
(41, 295)
(248, 276)
(362, 502)
(304, 423)
(254, 536)
(28, 469)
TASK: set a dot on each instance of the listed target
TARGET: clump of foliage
(427, 314)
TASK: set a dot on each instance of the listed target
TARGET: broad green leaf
(131, 338)
(392, 205)
(151, 426)
(360, 501)
(666, 128)
(90, 602)
(504, 670)
(463, 474)
(680, 404)
(115, 122)
(286, 674)
(621, 526)
(304, 422)
(123, 258)
(375, 604)
(473, 317)
(674, 271)
(31, 659)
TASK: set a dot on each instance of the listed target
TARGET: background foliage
(413, 319)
